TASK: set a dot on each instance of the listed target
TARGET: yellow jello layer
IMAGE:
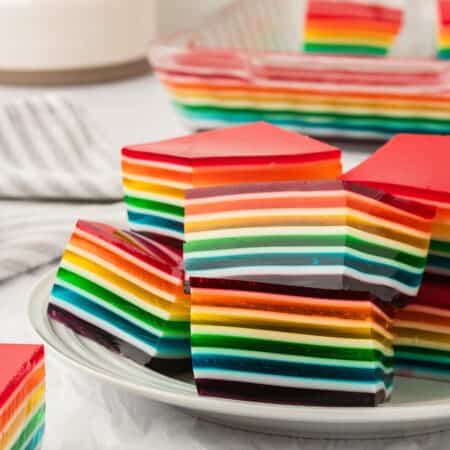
(328, 326)
(177, 309)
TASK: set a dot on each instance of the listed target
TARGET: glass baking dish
(246, 64)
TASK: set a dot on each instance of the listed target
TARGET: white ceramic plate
(417, 406)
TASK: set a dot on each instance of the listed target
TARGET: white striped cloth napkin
(35, 233)
(53, 154)
(51, 149)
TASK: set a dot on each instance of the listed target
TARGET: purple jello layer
(411, 206)
(320, 286)
(117, 345)
(287, 395)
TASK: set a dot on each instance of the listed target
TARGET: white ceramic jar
(50, 40)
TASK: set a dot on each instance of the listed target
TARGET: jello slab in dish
(422, 332)
(415, 167)
(22, 396)
(318, 234)
(262, 342)
(157, 175)
(126, 293)
(225, 73)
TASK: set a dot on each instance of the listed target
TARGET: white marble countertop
(85, 414)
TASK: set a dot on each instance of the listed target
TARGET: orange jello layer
(358, 310)
(126, 266)
(328, 169)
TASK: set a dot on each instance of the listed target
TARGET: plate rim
(422, 413)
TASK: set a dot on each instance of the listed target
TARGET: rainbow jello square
(125, 292)
(22, 396)
(443, 41)
(416, 167)
(273, 343)
(352, 27)
(157, 176)
(331, 234)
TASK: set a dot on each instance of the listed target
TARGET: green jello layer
(345, 49)
(289, 348)
(32, 427)
(370, 123)
(440, 246)
(155, 206)
(169, 328)
(422, 354)
(444, 53)
(295, 240)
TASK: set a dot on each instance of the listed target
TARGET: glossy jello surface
(247, 143)
(409, 164)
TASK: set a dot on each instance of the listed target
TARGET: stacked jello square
(417, 167)
(336, 255)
